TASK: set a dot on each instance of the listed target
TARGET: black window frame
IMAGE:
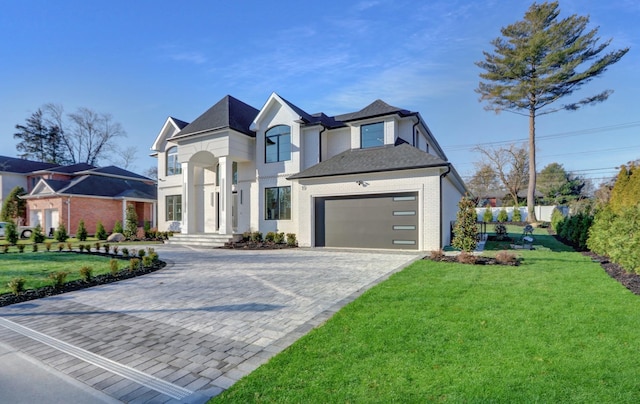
(277, 142)
(177, 213)
(370, 144)
(277, 211)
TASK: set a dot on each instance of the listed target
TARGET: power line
(579, 132)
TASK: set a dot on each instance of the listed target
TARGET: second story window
(173, 167)
(372, 135)
(277, 144)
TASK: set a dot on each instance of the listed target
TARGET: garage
(388, 221)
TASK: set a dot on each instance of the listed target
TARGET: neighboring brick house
(374, 178)
(14, 172)
(68, 194)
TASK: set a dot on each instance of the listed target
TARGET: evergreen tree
(81, 232)
(117, 227)
(13, 207)
(131, 226)
(61, 233)
(465, 230)
(101, 233)
(40, 141)
(538, 61)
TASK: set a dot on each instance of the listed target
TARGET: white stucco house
(374, 178)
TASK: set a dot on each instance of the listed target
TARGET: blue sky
(142, 61)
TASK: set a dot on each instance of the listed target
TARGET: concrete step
(212, 240)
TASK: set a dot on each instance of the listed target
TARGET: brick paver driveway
(191, 330)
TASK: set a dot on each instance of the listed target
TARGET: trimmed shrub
(466, 257)
(20, 248)
(487, 216)
(16, 285)
(503, 216)
(81, 232)
(147, 261)
(86, 273)
(141, 253)
(106, 248)
(270, 237)
(47, 246)
(134, 263)
(11, 233)
(125, 252)
(101, 233)
(117, 228)
(279, 238)
(36, 234)
(114, 266)
(34, 247)
(256, 237)
(61, 233)
(131, 222)
(465, 231)
(517, 215)
(501, 231)
(292, 241)
(506, 258)
(437, 255)
(58, 278)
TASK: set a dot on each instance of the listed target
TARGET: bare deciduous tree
(511, 164)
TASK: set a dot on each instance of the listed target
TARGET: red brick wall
(91, 210)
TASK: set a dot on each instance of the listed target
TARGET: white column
(124, 213)
(226, 225)
(188, 199)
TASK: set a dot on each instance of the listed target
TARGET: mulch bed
(31, 294)
(252, 245)
(629, 280)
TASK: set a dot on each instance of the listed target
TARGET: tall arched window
(173, 167)
(277, 144)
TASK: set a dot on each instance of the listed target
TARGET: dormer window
(372, 135)
(277, 144)
(173, 167)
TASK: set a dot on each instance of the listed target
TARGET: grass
(36, 267)
(555, 329)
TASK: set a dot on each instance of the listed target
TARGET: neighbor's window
(277, 203)
(372, 135)
(174, 208)
(277, 144)
(173, 167)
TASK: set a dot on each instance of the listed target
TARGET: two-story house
(374, 178)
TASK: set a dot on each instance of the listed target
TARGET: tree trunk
(531, 191)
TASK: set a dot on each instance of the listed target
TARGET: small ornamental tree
(465, 230)
(131, 226)
(488, 215)
(81, 232)
(13, 206)
(36, 234)
(117, 228)
(61, 233)
(11, 233)
(101, 233)
(503, 216)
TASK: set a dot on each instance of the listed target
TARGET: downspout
(413, 132)
(324, 128)
(444, 174)
(68, 213)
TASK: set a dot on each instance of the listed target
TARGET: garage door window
(278, 203)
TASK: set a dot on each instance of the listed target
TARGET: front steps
(210, 240)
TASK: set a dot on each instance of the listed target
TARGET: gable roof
(376, 108)
(115, 172)
(70, 169)
(375, 159)
(100, 186)
(22, 166)
(229, 112)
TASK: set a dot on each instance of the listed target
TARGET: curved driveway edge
(189, 331)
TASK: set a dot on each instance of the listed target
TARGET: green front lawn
(36, 267)
(556, 329)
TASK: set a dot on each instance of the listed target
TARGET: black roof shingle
(22, 166)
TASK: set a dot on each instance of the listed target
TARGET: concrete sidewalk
(191, 330)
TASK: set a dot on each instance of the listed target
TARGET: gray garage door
(373, 221)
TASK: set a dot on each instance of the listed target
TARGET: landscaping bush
(279, 238)
(575, 229)
(556, 218)
(60, 247)
(36, 234)
(134, 263)
(117, 228)
(437, 255)
(47, 246)
(11, 233)
(125, 252)
(147, 229)
(270, 237)
(141, 253)
(501, 231)
(114, 266)
(106, 248)
(101, 233)
(517, 215)
(61, 233)
(17, 285)
(86, 273)
(115, 250)
(147, 261)
(81, 232)
(465, 230)
(466, 257)
(58, 278)
(34, 247)
(503, 216)
(69, 246)
(256, 237)
(487, 216)
(5, 248)
(131, 223)
(20, 248)
(292, 241)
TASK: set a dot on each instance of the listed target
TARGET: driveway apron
(189, 331)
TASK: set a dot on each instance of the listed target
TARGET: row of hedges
(617, 235)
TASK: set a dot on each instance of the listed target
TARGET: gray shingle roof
(22, 166)
(229, 112)
(377, 159)
(117, 171)
(70, 169)
(376, 108)
(96, 185)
